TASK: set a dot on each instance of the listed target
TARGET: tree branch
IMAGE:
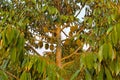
(67, 63)
(32, 48)
(71, 54)
(65, 34)
(10, 74)
(78, 33)
(80, 9)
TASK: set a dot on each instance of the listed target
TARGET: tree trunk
(58, 49)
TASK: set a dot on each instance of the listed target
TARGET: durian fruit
(40, 44)
(36, 45)
(67, 42)
(51, 47)
(46, 46)
(73, 28)
(45, 29)
(78, 42)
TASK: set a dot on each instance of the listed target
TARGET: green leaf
(109, 30)
(100, 54)
(43, 65)
(39, 68)
(118, 30)
(117, 66)
(64, 18)
(4, 39)
(114, 36)
(34, 1)
(112, 66)
(13, 54)
(31, 63)
(82, 61)
(113, 17)
(29, 76)
(20, 42)
(71, 18)
(100, 74)
(111, 52)
(5, 64)
(108, 74)
(3, 75)
(44, 8)
(87, 75)
(9, 34)
(23, 76)
(105, 51)
(90, 59)
(52, 10)
(75, 75)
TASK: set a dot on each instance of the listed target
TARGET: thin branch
(80, 10)
(67, 63)
(31, 47)
(65, 34)
(71, 54)
(78, 33)
(10, 74)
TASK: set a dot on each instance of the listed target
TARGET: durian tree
(27, 25)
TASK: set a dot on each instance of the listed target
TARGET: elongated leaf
(111, 51)
(13, 54)
(39, 68)
(4, 39)
(82, 61)
(44, 8)
(9, 34)
(43, 65)
(31, 63)
(114, 36)
(90, 59)
(23, 76)
(100, 54)
(106, 51)
(5, 64)
(87, 76)
(108, 74)
(29, 76)
(100, 75)
(3, 75)
(112, 67)
(75, 75)
(109, 30)
(117, 67)
(118, 30)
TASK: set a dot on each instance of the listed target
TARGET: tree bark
(58, 49)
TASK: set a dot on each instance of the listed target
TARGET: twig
(78, 33)
(10, 74)
(31, 47)
(67, 63)
(80, 10)
(65, 34)
(71, 54)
